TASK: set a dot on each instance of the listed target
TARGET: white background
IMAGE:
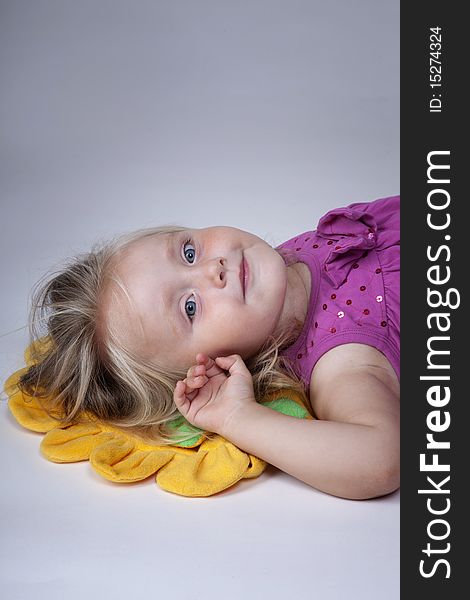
(121, 114)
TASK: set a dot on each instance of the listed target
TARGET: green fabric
(286, 406)
(181, 425)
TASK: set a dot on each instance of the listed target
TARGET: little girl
(205, 323)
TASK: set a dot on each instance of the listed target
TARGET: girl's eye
(189, 252)
(190, 308)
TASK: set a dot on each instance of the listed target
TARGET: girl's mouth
(244, 276)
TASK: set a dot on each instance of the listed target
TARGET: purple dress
(354, 261)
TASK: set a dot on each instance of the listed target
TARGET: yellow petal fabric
(28, 411)
(215, 466)
(73, 443)
(122, 461)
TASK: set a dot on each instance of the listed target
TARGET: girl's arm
(350, 460)
(355, 455)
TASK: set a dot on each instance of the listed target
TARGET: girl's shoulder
(349, 370)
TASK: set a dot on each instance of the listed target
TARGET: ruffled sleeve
(355, 232)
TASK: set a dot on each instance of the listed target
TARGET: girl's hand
(209, 397)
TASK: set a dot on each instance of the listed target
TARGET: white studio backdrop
(119, 114)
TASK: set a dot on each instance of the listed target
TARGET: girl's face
(218, 290)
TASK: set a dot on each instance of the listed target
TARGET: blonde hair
(80, 370)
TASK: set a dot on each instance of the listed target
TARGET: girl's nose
(214, 272)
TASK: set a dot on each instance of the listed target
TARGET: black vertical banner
(434, 300)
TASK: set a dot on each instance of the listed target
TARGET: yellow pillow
(207, 467)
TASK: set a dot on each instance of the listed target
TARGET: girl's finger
(200, 370)
(204, 359)
(197, 382)
(184, 394)
(210, 365)
(191, 370)
(195, 371)
(233, 363)
(179, 396)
